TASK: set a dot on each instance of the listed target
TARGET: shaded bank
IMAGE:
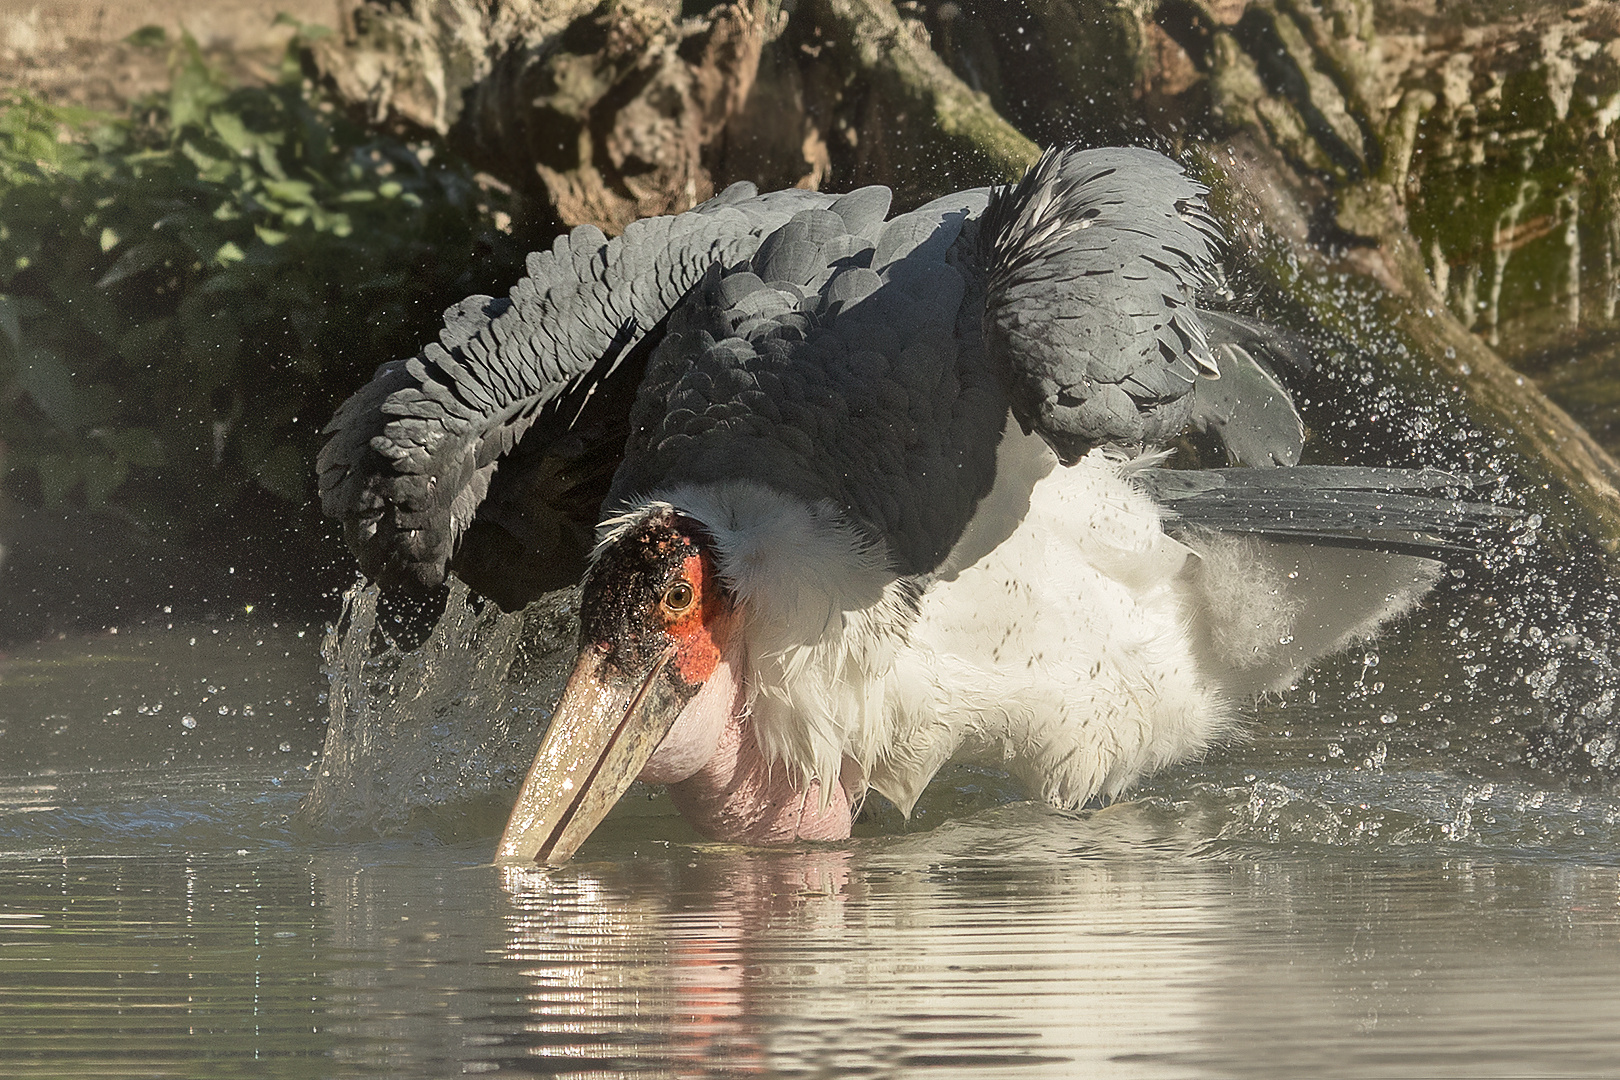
(186, 291)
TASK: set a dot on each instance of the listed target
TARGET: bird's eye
(679, 596)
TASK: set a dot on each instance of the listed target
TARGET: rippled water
(1374, 885)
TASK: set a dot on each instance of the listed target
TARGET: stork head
(650, 694)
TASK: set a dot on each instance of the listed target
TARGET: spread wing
(803, 341)
(414, 466)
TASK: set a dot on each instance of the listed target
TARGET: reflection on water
(1373, 885)
(1020, 943)
(894, 956)
(903, 955)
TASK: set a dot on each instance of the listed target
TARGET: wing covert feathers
(1093, 261)
(831, 366)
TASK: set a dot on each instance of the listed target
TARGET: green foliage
(186, 293)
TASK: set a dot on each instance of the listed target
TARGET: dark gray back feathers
(829, 367)
(802, 341)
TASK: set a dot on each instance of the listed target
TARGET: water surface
(1342, 895)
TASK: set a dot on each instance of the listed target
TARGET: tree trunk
(1433, 130)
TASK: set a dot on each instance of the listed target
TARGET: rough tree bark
(1389, 131)
(1443, 160)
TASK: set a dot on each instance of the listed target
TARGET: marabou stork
(883, 494)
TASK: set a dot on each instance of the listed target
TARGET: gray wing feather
(1249, 411)
(802, 341)
(413, 455)
(1093, 261)
(1247, 408)
(1415, 511)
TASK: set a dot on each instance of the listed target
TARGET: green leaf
(270, 163)
(196, 86)
(285, 473)
(229, 253)
(292, 191)
(45, 379)
(109, 238)
(232, 132)
(37, 147)
(270, 236)
(149, 36)
(142, 256)
(213, 169)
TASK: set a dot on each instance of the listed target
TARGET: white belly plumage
(1063, 652)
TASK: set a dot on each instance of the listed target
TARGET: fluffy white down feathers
(1067, 638)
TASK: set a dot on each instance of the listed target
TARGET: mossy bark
(920, 128)
(1370, 135)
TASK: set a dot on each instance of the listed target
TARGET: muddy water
(1372, 885)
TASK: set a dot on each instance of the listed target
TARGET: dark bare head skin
(658, 694)
(655, 588)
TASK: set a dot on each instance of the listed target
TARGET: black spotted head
(654, 585)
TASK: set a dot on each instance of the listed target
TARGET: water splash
(1522, 630)
(442, 731)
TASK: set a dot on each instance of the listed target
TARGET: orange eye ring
(679, 597)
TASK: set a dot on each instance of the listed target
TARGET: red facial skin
(717, 775)
(703, 629)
